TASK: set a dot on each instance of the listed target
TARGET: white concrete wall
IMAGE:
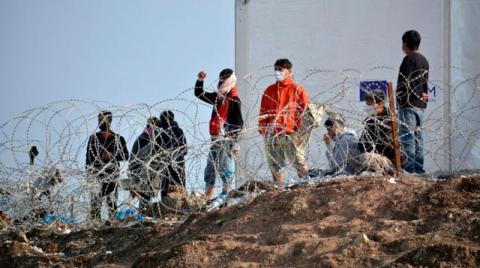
(335, 44)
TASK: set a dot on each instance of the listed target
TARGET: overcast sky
(122, 52)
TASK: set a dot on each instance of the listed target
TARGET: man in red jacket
(225, 124)
(280, 119)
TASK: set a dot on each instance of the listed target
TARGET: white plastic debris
(108, 252)
(392, 180)
(217, 202)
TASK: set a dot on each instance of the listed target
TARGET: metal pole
(447, 84)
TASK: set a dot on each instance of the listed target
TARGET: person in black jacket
(105, 150)
(173, 146)
(225, 125)
(144, 164)
(376, 142)
(412, 98)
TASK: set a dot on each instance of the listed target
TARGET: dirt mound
(352, 222)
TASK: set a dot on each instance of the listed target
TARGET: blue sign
(432, 93)
(367, 86)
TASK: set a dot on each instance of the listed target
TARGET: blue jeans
(411, 138)
(220, 161)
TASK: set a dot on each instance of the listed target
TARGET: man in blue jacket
(342, 146)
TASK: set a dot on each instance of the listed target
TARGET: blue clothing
(220, 161)
(411, 138)
(343, 147)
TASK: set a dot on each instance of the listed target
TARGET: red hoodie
(221, 111)
(282, 107)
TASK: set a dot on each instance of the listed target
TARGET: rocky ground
(357, 222)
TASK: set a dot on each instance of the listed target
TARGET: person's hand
(327, 139)
(425, 97)
(106, 156)
(202, 75)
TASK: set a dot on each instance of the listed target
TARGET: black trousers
(175, 175)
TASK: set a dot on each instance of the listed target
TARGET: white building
(334, 44)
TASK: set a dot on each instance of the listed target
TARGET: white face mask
(280, 75)
(370, 110)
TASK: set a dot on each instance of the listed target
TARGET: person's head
(166, 117)
(283, 69)
(224, 75)
(411, 41)
(32, 154)
(376, 100)
(334, 125)
(104, 120)
(152, 122)
(226, 81)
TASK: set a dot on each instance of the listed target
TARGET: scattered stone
(299, 248)
(297, 206)
(21, 237)
(361, 239)
(328, 263)
(256, 186)
(4, 220)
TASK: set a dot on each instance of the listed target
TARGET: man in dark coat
(173, 147)
(376, 142)
(105, 151)
(144, 164)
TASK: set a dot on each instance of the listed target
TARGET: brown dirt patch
(353, 222)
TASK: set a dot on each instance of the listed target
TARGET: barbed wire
(61, 131)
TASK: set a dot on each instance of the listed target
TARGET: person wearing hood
(376, 141)
(173, 144)
(225, 125)
(144, 164)
(342, 146)
(105, 151)
(281, 110)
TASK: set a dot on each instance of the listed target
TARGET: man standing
(144, 164)
(226, 123)
(280, 119)
(412, 97)
(173, 146)
(105, 150)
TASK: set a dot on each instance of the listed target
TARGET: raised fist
(202, 75)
